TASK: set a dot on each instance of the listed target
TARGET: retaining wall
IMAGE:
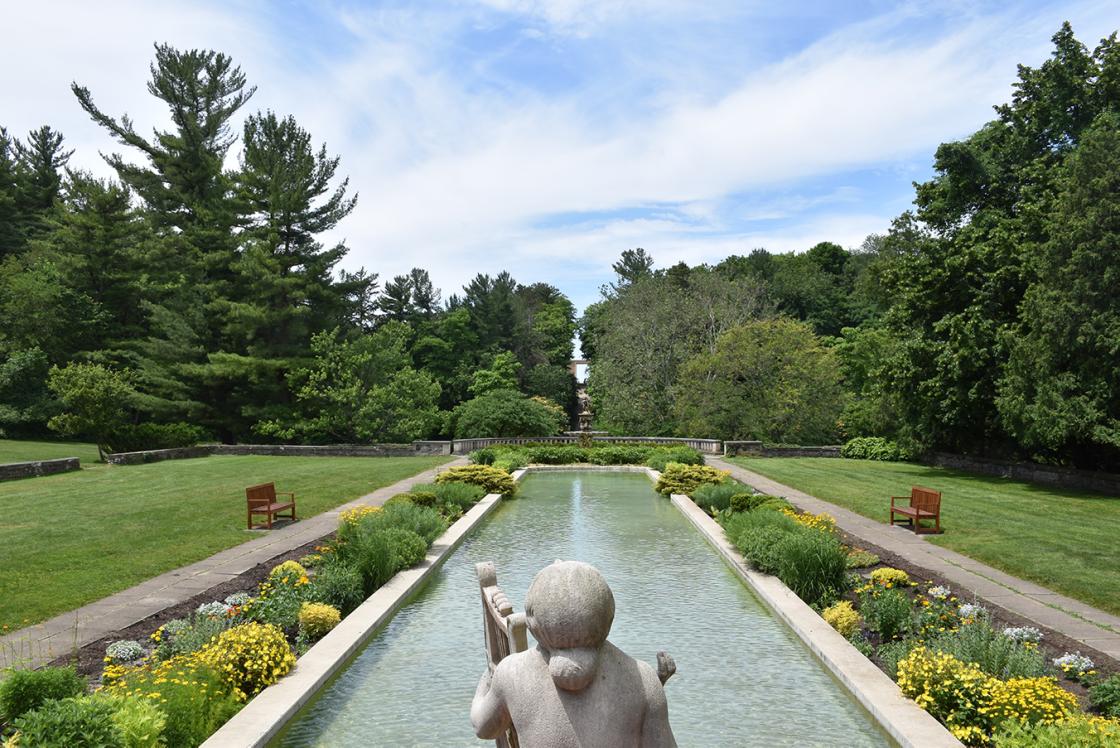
(758, 449)
(289, 450)
(14, 470)
(1081, 480)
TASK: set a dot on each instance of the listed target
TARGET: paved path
(37, 645)
(1084, 623)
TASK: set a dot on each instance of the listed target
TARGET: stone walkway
(1084, 623)
(37, 645)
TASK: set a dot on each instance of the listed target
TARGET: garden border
(266, 715)
(906, 722)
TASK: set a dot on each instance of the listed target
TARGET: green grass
(20, 451)
(69, 539)
(1064, 540)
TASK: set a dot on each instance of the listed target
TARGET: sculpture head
(569, 610)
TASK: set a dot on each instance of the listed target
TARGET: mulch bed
(89, 659)
(1054, 643)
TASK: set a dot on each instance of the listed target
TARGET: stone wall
(758, 449)
(14, 470)
(1081, 480)
(284, 450)
(158, 455)
(336, 450)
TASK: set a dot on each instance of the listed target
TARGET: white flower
(968, 610)
(124, 651)
(940, 592)
(1073, 662)
(1023, 634)
(238, 599)
(213, 610)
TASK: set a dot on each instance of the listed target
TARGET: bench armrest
(286, 493)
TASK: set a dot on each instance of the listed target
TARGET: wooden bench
(262, 500)
(925, 503)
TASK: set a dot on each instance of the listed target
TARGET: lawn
(20, 451)
(69, 539)
(1064, 540)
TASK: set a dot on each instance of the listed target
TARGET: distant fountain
(574, 687)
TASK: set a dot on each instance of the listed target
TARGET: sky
(545, 137)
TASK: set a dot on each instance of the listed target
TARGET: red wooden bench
(262, 500)
(925, 503)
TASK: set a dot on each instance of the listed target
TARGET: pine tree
(183, 182)
(41, 160)
(11, 236)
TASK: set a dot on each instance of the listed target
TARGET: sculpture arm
(656, 732)
(489, 715)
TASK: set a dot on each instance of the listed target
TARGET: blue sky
(547, 136)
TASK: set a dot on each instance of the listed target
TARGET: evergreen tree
(182, 181)
(11, 236)
(41, 159)
(395, 302)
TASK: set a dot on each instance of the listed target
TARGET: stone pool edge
(265, 715)
(902, 719)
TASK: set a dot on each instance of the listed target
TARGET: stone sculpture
(574, 689)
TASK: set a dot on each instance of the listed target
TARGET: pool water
(743, 679)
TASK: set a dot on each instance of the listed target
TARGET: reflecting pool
(743, 679)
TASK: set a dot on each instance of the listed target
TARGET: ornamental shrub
(484, 456)
(25, 690)
(861, 559)
(370, 554)
(679, 478)
(888, 577)
(124, 652)
(463, 495)
(132, 438)
(195, 700)
(1031, 701)
(490, 479)
(317, 619)
(280, 596)
(249, 658)
(76, 722)
(888, 612)
(874, 448)
(140, 722)
(758, 536)
(624, 455)
(1076, 732)
(1105, 696)
(182, 636)
(813, 564)
(338, 584)
(748, 502)
(408, 548)
(423, 521)
(993, 652)
(503, 413)
(715, 497)
(843, 617)
(662, 457)
(955, 693)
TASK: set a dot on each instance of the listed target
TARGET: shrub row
(512, 457)
(875, 448)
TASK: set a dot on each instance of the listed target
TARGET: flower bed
(191, 674)
(989, 684)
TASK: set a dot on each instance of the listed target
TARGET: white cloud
(457, 166)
